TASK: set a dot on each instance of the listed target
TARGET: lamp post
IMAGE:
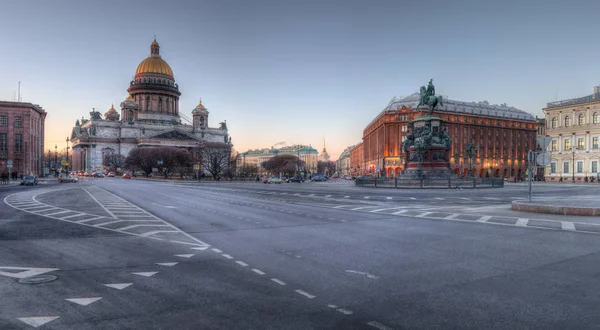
(55, 156)
(68, 155)
(573, 170)
(471, 151)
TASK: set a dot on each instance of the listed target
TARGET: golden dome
(200, 105)
(129, 98)
(112, 109)
(154, 63)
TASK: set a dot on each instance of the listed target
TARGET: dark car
(98, 175)
(298, 179)
(318, 177)
(29, 180)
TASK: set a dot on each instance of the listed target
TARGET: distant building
(324, 156)
(541, 132)
(503, 134)
(149, 117)
(307, 154)
(22, 127)
(574, 126)
(343, 163)
(357, 160)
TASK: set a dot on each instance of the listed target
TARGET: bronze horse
(431, 101)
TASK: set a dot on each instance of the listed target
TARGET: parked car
(318, 177)
(266, 179)
(98, 175)
(68, 178)
(297, 179)
(276, 179)
(29, 180)
(126, 176)
(111, 174)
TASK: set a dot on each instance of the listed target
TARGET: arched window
(567, 121)
(595, 118)
(160, 104)
(554, 122)
(581, 119)
(202, 121)
(167, 101)
(130, 115)
(147, 102)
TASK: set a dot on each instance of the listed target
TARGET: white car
(276, 179)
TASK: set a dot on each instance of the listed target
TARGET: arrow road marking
(118, 286)
(146, 274)
(84, 301)
(168, 264)
(37, 321)
(184, 255)
(26, 271)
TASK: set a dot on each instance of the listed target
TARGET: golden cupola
(112, 114)
(154, 64)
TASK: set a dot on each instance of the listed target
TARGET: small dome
(112, 114)
(112, 109)
(154, 63)
(200, 108)
(129, 98)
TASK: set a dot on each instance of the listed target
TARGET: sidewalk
(582, 206)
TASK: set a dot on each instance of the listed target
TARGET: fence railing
(451, 183)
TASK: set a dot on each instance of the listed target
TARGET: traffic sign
(196, 167)
(159, 162)
(9, 166)
(543, 159)
(63, 162)
(9, 162)
(543, 142)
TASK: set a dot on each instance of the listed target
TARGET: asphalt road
(136, 254)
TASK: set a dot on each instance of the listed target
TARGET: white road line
(345, 311)
(239, 262)
(440, 199)
(146, 274)
(150, 233)
(90, 219)
(484, 218)
(258, 271)
(378, 325)
(102, 206)
(522, 222)
(217, 250)
(413, 198)
(73, 216)
(184, 255)
(327, 196)
(451, 216)
(332, 306)
(118, 286)
(280, 282)
(388, 197)
(567, 225)
(36, 207)
(227, 256)
(306, 294)
(362, 207)
(135, 226)
(168, 264)
(341, 206)
(423, 214)
(399, 212)
(37, 321)
(51, 214)
(105, 223)
(83, 301)
(367, 197)
(389, 208)
(464, 198)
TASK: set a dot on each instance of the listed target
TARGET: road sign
(63, 158)
(543, 142)
(9, 162)
(9, 166)
(159, 162)
(543, 159)
(196, 167)
(63, 162)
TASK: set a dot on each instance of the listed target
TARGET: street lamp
(573, 170)
(471, 151)
(68, 155)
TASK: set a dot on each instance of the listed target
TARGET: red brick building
(503, 134)
(22, 128)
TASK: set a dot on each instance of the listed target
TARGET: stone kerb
(554, 208)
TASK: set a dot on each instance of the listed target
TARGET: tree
(327, 168)
(114, 161)
(249, 169)
(147, 158)
(287, 164)
(142, 159)
(215, 159)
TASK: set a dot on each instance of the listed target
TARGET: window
(160, 104)
(18, 121)
(552, 168)
(595, 142)
(567, 121)
(3, 142)
(18, 142)
(567, 145)
(147, 102)
(580, 143)
(595, 118)
(3, 120)
(579, 166)
(404, 128)
(566, 167)
(581, 119)
(554, 143)
(594, 166)
(130, 115)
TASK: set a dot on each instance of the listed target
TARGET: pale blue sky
(295, 71)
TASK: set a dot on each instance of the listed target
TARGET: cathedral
(148, 117)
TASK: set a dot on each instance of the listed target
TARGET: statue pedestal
(427, 149)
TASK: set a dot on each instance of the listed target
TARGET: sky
(297, 71)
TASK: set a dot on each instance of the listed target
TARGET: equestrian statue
(428, 98)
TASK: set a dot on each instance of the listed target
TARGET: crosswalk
(121, 216)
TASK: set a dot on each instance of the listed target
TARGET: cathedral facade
(148, 117)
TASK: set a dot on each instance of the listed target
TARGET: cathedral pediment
(173, 135)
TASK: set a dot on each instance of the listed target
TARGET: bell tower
(200, 116)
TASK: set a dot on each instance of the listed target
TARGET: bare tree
(114, 161)
(327, 168)
(215, 160)
(249, 169)
(287, 164)
(142, 159)
(147, 158)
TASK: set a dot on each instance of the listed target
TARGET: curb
(554, 209)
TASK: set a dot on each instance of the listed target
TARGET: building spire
(154, 48)
(324, 144)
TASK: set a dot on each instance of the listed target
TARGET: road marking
(90, 219)
(360, 208)
(146, 274)
(341, 206)
(423, 214)
(399, 212)
(297, 194)
(464, 198)
(280, 282)
(118, 286)
(362, 273)
(413, 198)
(201, 248)
(102, 206)
(346, 196)
(522, 222)
(258, 271)
(491, 198)
(345, 311)
(227, 256)
(378, 325)
(367, 197)
(306, 294)
(327, 196)
(104, 223)
(566, 225)
(484, 218)
(25, 271)
(331, 306)
(440, 199)
(184, 255)
(136, 226)
(83, 301)
(389, 208)
(73, 216)
(37, 321)
(168, 264)
(150, 233)
(242, 263)
(451, 216)
(388, 197)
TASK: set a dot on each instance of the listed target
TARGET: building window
(581, 119)
(567, 145)
(18, 142)
(595, 118)
(18, 121)
(580, 143)
(404, 128)
(594, 166)
(3, 120)
(567, 121)
(160, 104)
(552, 168)
(566, 167)
(554, 143)
(579, 166)
(147, 102)
(595, 142)
(3, 142)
